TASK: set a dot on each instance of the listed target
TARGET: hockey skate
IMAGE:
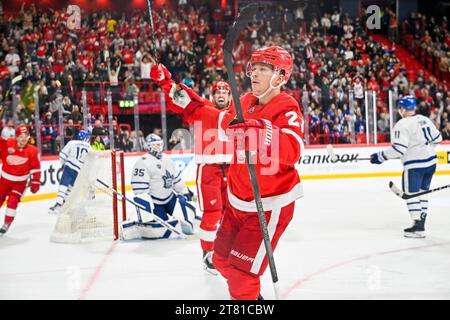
(207, 263)
(55, 209)
(417, 230)
(4, 229)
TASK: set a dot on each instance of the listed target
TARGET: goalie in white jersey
(158, 188)
(414, 141)
(72, 158)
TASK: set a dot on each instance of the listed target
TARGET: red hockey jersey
(278, 179)
(211, 143)
(19, 163)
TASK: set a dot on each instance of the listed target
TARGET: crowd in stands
(336, 60)
(429, 40)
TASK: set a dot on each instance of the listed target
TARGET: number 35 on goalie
(160, 193)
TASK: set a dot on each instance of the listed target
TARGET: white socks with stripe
(418, 207)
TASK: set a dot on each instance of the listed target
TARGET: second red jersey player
(19, 161)
(273, 133)
(212, 170)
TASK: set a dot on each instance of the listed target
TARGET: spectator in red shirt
(127, 56)
(4, 71)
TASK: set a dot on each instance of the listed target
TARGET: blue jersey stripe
(73, 164)
(393, 147)
(436, 137)
(134, 189)
(400, 145)
(421, 161)
(159, 199)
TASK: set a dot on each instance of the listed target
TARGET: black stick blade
(245, 16)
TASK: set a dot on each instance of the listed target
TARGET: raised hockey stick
(164, 223)
(244, 17)
(407, 196)
(152, 31)
(335, 157)
(13, 82)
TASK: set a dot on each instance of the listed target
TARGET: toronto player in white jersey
(414, 141)
(158, 187)
(72, 158)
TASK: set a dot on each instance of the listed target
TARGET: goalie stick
(244, 17)
(164, 223)
(407, 196)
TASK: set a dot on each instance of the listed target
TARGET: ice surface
(345, 242)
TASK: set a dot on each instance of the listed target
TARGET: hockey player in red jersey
(212, 157)
(19, 161)
(272, 119)
(211, 179)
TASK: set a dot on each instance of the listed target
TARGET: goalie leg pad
(144, 207)
(188, 215)
(154, 230)
(130, 230)
(145, 203)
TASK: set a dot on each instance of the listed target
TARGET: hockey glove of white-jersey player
(184, 100)
(378, 158)
(189, 195)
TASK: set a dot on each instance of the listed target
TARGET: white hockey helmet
(154, 144)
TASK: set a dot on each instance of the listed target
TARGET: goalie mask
(154, 145)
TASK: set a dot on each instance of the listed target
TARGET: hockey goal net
(91, 210)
